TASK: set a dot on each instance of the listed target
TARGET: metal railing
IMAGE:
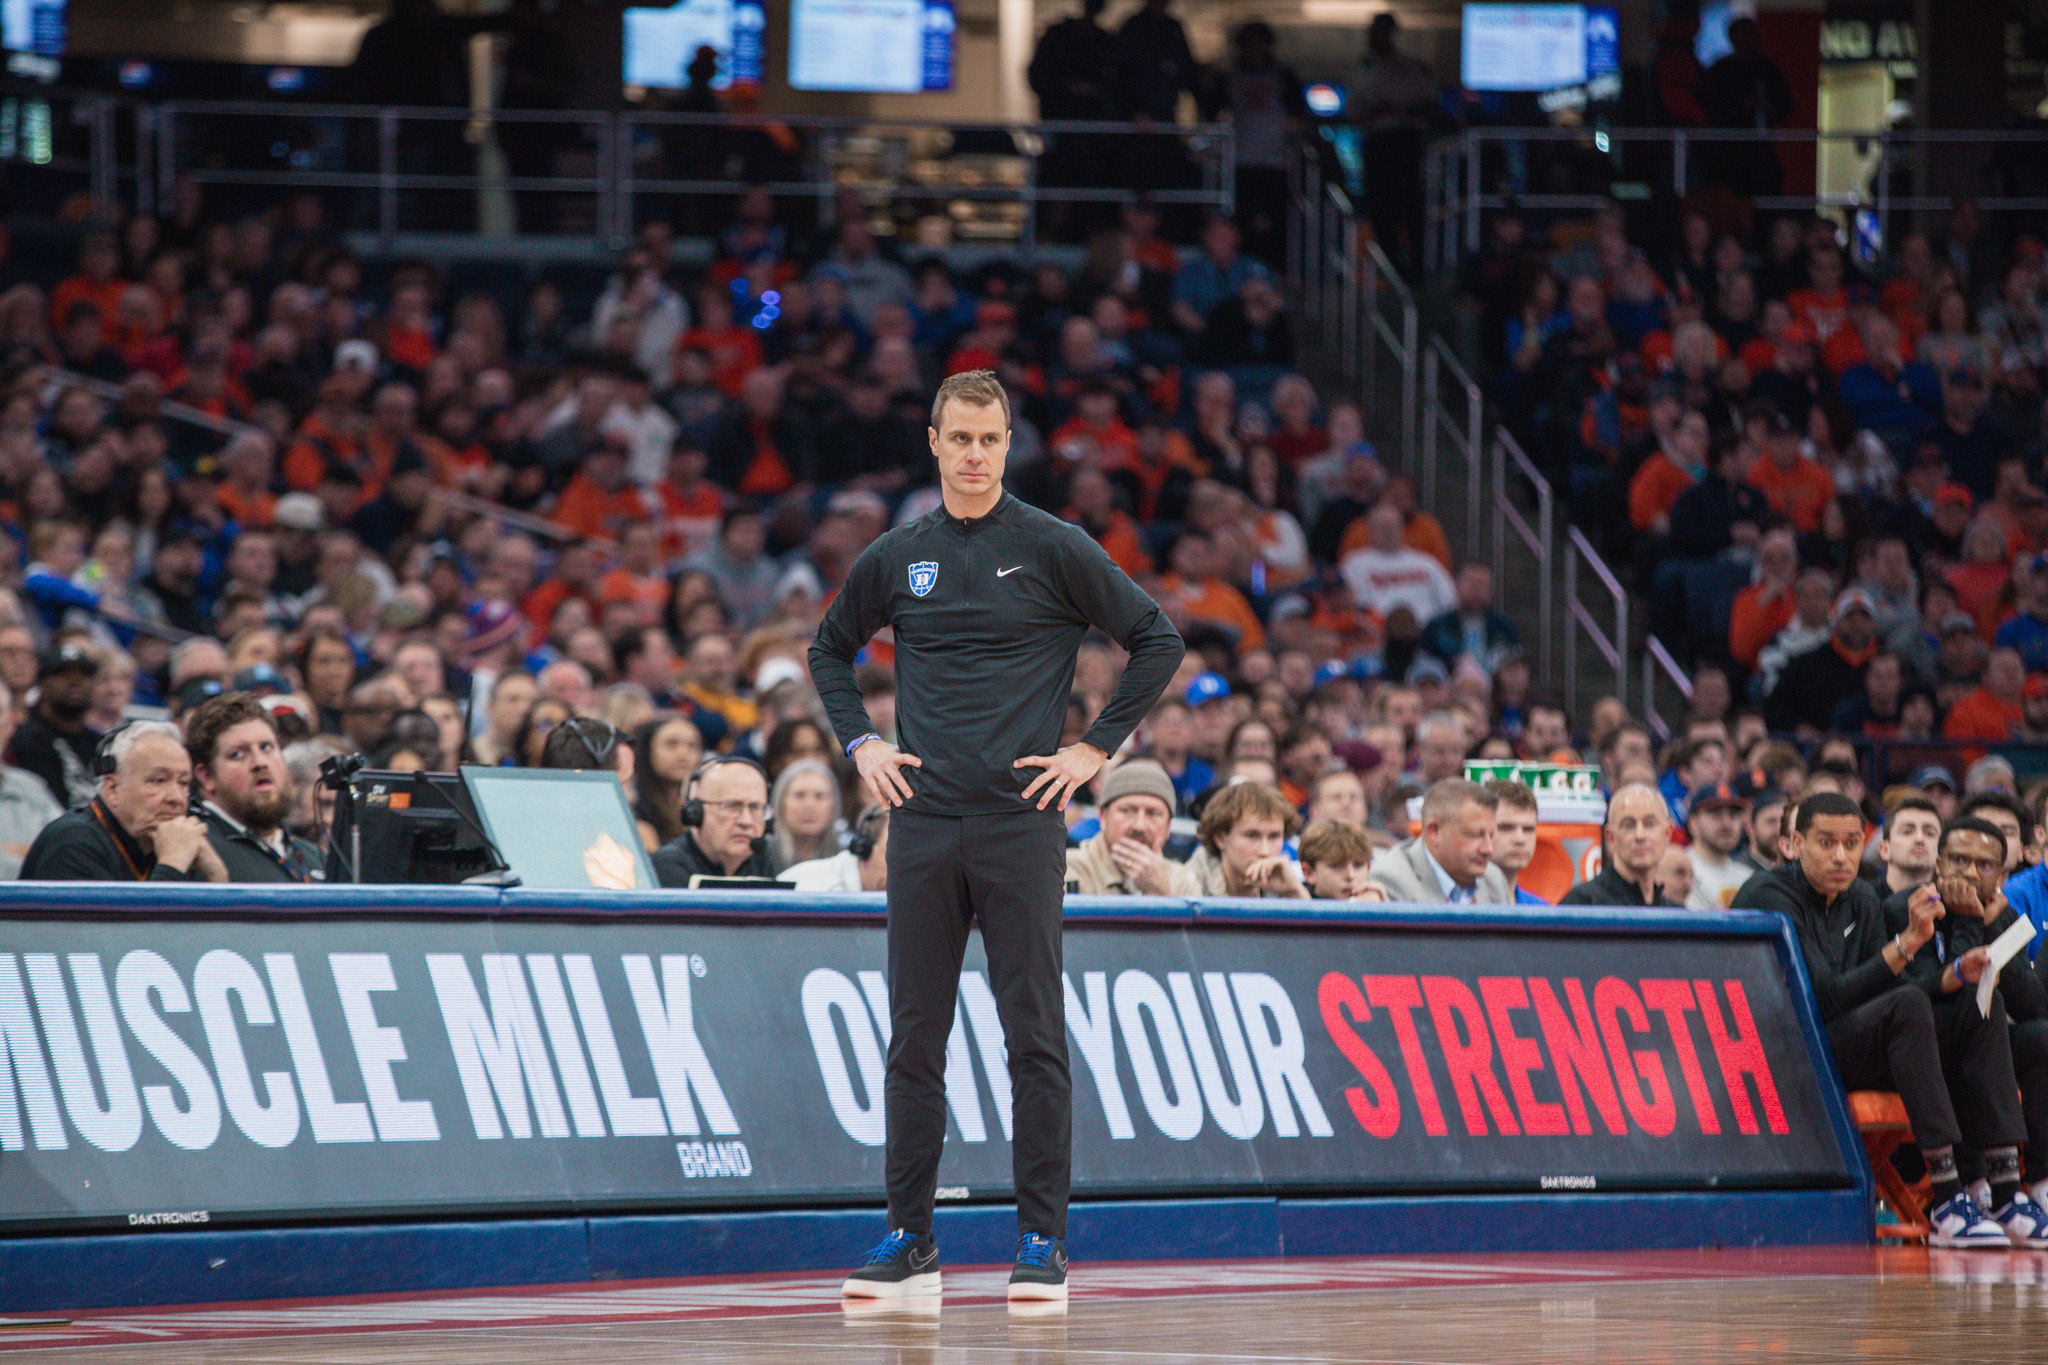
(411, 169)
(1511, 513)
(1610, 645)
(1669, 162)
(1657, 659)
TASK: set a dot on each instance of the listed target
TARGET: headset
(866, 830)
(604, 748)
(103, 761)
(693, 809)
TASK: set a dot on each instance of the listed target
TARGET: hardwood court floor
(1818, 1305)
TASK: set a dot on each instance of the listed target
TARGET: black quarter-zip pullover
(988, 613)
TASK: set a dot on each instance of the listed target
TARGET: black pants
(1007, 871)
(1951, 1066)
(2030, 1068)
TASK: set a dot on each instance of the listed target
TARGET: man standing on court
(989, 599)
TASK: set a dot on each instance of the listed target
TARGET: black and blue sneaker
(903, 1265)
(1041, 1270)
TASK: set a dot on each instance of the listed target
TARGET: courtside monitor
(392, 828)
(562, 829)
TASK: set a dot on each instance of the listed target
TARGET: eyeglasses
(732, 810)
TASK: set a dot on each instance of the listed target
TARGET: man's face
(510, 703)
(1718, 829)
(735, 798)
(247, 777)
(152, 785)
(1829, 851)
(68, 692)
(1442, 751)
(1909, 841)
(1638, 829)
(1340, 796)
(1765, 824)
(711, 663)
(1336, 881)
(1856, 629)
(1547, 732)
(2007, 824)
(1463, 844)
(972, 445)
(1143, 818)
(1514, 838)
(1172, 730)
(1306, 759)
(1250, 839)
(1212, 722)
(1976, 856)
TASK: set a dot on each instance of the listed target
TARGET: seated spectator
(1890, 395)
(1812, 684)
(1472, 629)
(1765, 606)
(1885, 1029)
(247, 792)
(1993, 711)
(1679, 462)
(1336, 862)
(1971, 440)
(1796, 487)
(1386, 574)
(1243, 833)
(1634, 836)
(26, 805)
(1451, 861)
(54, 743)
(1514, 834)
(138, 827)
(1716, 819)
(725, 810)
(804, 804)
(2026, 630)
(1907, 846)
(1191, 593)
(863, 865)
(1127, 856)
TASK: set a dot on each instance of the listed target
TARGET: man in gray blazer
(1451, 861)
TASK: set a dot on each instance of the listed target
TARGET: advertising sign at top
(1533, 47)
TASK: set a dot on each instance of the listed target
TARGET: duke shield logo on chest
(924, 575)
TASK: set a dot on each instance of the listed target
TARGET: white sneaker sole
(1952, 1242)
(1038, 1293)
(910, 1287)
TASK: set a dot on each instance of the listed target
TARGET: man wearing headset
(725, 818)
(138, 826)
(989, 599)
(863, 865)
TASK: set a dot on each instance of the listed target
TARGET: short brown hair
(1243, 801)
(978, 387)
(208, 721)
(1334, 841)
(1447, 797)
(1511, 794)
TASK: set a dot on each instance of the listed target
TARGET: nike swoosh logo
(918, 1265)
(1849, 930)
(1005, 573)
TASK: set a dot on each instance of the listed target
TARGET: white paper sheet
(2004, 949)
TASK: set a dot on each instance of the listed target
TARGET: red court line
(765, 1295)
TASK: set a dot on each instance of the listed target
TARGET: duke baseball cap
(1207, 687)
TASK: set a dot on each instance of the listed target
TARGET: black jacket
(2026, 997)
(1811, 686)
(63, 759)
(1611, 888)
(90, 846)
(680, 859)
(1843, 942)
(988, 613)
(250, 860)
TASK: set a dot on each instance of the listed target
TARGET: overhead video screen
(33, 26)
(871, 46)
(660, 43)
(1538, 47)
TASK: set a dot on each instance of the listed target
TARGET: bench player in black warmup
(989, 599)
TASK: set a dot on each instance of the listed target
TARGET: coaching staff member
(989, 599)
(138, 827)
(246, 791)
(1951, 1066)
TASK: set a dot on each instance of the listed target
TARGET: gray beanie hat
(1140, 777)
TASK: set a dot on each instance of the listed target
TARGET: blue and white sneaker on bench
(2025, 1222)
(1962, 1224)
(1041, 1270)
(903, 1265)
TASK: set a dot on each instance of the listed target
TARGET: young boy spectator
(1336, 862)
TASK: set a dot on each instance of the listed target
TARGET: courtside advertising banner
(160, 1073)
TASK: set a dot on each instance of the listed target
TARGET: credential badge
(923, 575)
